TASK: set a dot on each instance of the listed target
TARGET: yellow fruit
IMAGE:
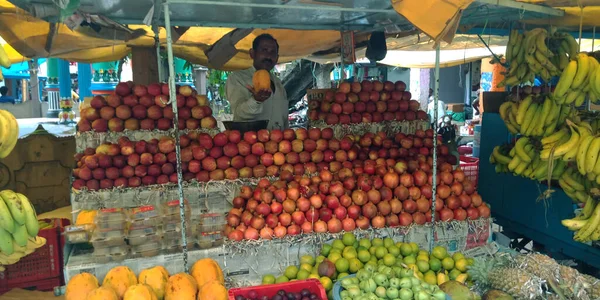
(205, 271)
(139, 292)
(261, 80)
(423, 266)
(439, 252)
(430, 278)
(102, 293)
(80, 286)
(268, 279)
(342, 265)
(181, 286)
(326, 282)
(461, 264)
(213, 291)
(457, 255)
(454, 274)
(156, 278)
(448, 263)
(119, 279)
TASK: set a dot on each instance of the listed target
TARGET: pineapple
(594, 286)
(518, 283)
(564, 280)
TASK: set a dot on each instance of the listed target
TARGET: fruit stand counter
(514, 201)
(245, 262)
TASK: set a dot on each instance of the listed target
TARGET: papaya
(139, 291)
(261, 80)
(119, 279)
(102, 293)
(181, 286)
(205, 271)
(213, 291)
(156, 278)
(80, 286)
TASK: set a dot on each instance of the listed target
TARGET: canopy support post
(436, 87)
(161, 75)
(172, 99)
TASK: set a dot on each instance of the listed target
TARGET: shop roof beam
(311, 6)
(526, 7)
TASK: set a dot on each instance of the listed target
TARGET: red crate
(470, 165)
(38, 285)
(270, 290)
(40, 265)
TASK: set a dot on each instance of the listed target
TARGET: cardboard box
(491, 101)
(456, 107)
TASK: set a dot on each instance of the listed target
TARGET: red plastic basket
(38, 285)
(470, 165)
(44, 263)
(270, 290)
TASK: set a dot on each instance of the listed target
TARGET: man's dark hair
(3, 90)
(264, 37)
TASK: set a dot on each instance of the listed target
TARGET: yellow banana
(568, 178)
(589, 226)
(566, 79)
(499, 157)
(572, 96)
(573, 46)
(588, 208)
(581, 154)
(591, 156)
(528, 120)
(520, 149)
(583, 66)
(571, 154)
(523, 107)
(11, 139)
(540, 43)
(514, 163)
(573, 224)
(555, 137)
(504, 107)
(565, 147)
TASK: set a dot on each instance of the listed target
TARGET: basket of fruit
(309, 289)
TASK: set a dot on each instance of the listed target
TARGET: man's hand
(261, 95)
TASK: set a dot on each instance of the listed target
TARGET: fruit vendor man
(248, 104)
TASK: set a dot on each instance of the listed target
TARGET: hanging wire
(580, 22)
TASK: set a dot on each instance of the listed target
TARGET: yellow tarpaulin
(29, 37)
(438, 19)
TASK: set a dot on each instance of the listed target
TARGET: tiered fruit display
(537, 52)
(18, 228)
(559, 141)
(366, 102)
(332, 202)
(205, 282)
(524, 276)
(231, 155)
(137, 107)
(380, 260)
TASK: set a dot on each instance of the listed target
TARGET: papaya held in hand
(261, 81)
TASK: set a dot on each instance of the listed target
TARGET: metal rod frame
(526, 7)
(283, 6)
(436, 92)
(172, 97)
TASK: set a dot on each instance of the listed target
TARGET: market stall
(385, 203)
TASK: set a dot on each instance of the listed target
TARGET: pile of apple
(231, 155)
(366, 102)
(135, 107)
(332, 202)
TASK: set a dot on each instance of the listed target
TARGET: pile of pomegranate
(366, 102)
(231, 155)
(135, 107)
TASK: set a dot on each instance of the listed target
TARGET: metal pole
(172, 97)
(436, 87)
(156, 30)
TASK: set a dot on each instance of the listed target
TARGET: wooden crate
(40, 168)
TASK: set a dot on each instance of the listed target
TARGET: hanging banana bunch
(537, 52)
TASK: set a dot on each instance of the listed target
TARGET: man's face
(265, 56)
